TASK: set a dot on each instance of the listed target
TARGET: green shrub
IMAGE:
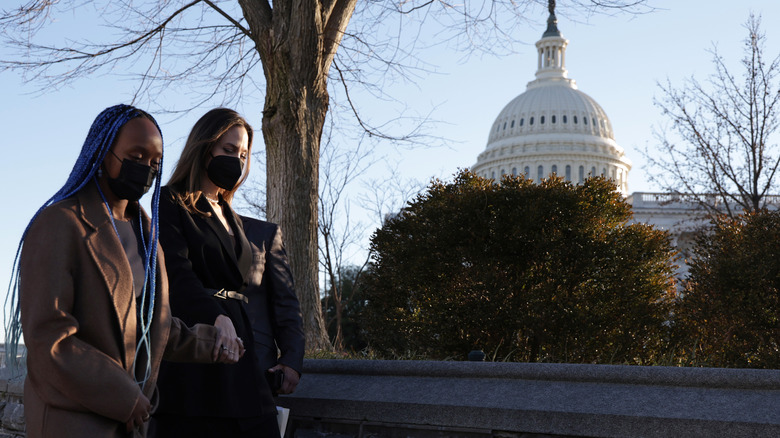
(728, 314)
(523, 271)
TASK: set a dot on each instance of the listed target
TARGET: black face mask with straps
(225, 171)
(134, 179)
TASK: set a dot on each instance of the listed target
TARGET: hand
(140, 414)
(291, 379)
(229, 347)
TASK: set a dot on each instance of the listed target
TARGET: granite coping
(559, 399)
(628, 374)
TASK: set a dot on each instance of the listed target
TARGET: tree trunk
(295, 105)
(297, 41)
(291, 127)
(338, 340)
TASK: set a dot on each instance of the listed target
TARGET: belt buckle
(222, 293)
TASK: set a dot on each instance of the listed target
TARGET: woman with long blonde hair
(208, 259)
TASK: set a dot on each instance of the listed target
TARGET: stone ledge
(657, 375)
(550, 399)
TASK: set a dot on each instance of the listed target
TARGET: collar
(93, 209)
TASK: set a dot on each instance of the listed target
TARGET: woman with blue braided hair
(92, 291)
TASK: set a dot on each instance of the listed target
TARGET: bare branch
(235, 23)
(68, 54)
(723, 132)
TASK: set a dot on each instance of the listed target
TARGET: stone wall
(356, 399)
(426, 399)
(11, 408)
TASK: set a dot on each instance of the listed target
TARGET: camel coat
(78, 313)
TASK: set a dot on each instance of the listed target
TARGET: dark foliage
(352, 305)
(525, 272)
(728, 315)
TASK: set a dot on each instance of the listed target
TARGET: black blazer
(274, 311)
(202, 258)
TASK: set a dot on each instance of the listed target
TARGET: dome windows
(584, 120)
(504, 128)
(564, 118)
(575, 120)
(521, 121)
(531, 122)
(552, 119)
(582, 174)
(554, 169)
(539, 173)
(512, 125)
(541, 120)
(568, 173)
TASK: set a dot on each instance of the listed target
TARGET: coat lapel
(239, 253)
(106, 250)
(243, 248)
(219, 229)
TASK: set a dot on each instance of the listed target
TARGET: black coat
(202, 258)
(273, 309)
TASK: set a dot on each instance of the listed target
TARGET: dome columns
(551, 57)
(575, 171)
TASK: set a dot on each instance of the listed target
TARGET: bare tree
(216, 48)
(340, 237)
(722, 153)
(344, 230)
(338, 231)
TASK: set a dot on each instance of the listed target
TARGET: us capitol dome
(553, 128)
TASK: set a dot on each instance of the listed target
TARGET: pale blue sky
(615, 59)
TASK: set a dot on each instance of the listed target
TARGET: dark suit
(274, 311)
(202, 258)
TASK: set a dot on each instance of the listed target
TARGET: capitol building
(553, 128)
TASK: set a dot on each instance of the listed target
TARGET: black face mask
(134, 180)
(224, 171)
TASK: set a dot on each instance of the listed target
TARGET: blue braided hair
(100, 138)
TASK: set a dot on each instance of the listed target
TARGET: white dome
(548, 101)
(553, 127)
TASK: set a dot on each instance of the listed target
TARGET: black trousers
(175, 426)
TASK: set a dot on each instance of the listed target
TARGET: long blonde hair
(192, 163)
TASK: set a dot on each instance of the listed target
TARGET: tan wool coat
(79, 321)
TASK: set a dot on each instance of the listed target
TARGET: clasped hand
(229, 347)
